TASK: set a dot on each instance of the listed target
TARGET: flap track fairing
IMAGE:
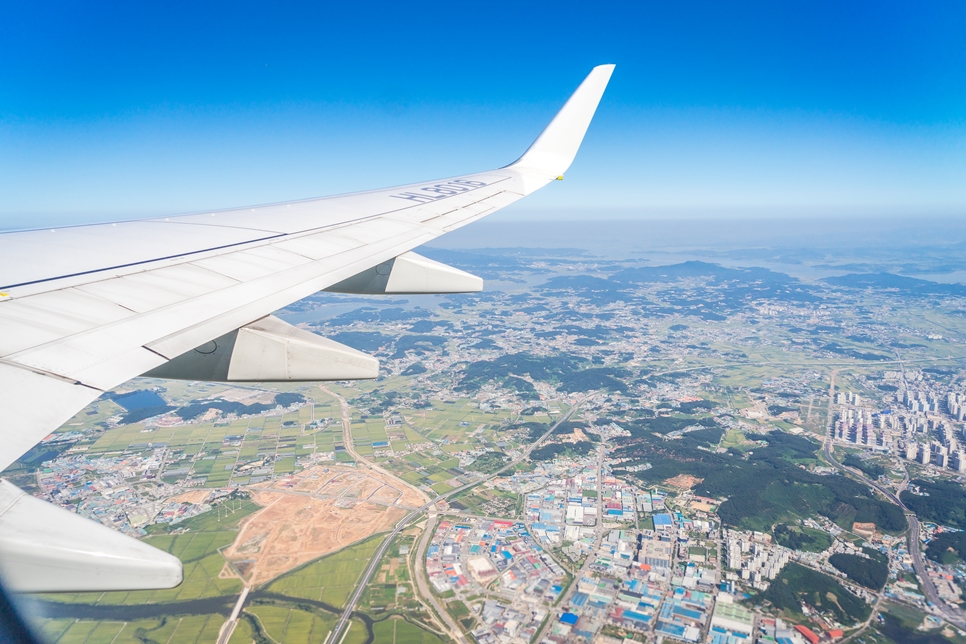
(409, 274)
(269, 350)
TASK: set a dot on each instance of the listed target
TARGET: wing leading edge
(86, 308)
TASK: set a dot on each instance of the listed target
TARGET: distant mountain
(652, 274)
(724, 290)
(586, 282)
(911, 285)
(519, 251)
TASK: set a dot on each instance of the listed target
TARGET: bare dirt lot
(683, 481)
(314, 513)
(194, 496)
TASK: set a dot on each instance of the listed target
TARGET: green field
(218, 453)
(489, 502)
(331, 578)
(424, 469)
(396, 630)
(200, 629)
(391, 586)
(458, 424)
(356, 634)
(293, 626)
(736, 439)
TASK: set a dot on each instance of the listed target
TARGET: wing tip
(556, 147)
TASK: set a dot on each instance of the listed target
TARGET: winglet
(554, 150)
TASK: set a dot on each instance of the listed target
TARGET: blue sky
(769, 109)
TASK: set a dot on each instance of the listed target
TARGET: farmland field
(331, 578)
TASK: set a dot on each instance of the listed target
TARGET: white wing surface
(85, 308)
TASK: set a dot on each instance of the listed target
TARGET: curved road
(420, 577)
(406, 520)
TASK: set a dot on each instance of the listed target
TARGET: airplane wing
(86, 308)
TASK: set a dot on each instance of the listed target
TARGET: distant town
(601, 451)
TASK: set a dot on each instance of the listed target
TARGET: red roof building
(807, 633)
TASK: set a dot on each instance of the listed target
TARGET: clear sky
(112, 110)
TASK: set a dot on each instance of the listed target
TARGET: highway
(954, 616)
(406, 520)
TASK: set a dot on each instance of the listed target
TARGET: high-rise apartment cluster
(956, 405)
(918, 401)
(857, 426)
(753, 557)
(921, 427)
(934, 416)
(862, 426)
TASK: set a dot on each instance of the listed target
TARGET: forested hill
(765, 486)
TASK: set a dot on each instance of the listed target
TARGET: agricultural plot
(329, 579)
(356, 633)
(424, 446)
(97, 412)
(82, 631)
(427, 470)
(736, 439)
(369, 434)
(491, 502)
(243, 633)
(292, 626)
(220, 454)
(746, 376)
(458, 422)
(396, 630)
(191, 629)
(391, 586)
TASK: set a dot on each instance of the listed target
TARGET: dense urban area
(594, 451)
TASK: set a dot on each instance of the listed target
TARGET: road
(420, 576)
(229, 626)
(598, 535)
(409, 518)
(952, 615)
(350, 447)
